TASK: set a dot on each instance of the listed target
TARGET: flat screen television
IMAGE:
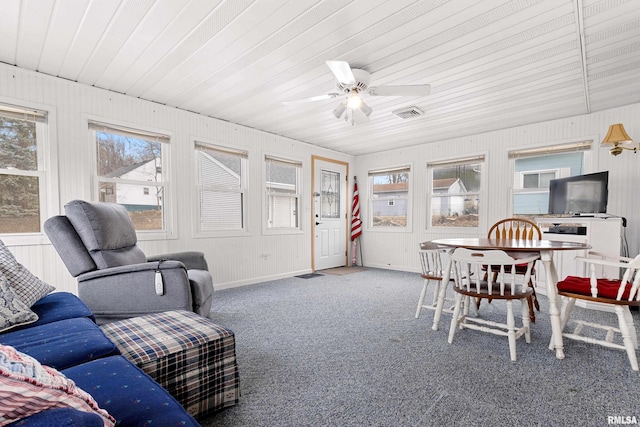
(577, 195)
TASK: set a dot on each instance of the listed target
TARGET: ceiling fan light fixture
(339, 110)
(354, 101)
(366, 110)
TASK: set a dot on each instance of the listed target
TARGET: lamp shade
(339, 110)
(366, 110)
(616, 135)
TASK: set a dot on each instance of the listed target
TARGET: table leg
(446, 275)
(552, 294)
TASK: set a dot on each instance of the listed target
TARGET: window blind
(129, 132)
(18, 113)
(551, 149)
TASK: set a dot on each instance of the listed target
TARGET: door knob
(318, 223)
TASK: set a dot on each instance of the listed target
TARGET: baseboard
(256, 280)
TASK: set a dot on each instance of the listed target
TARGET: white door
(329, 214)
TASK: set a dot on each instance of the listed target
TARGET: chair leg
(525, 321)
(626, 336)
(534, 296)
(511, 331)
(565, 314)
(632, 328)
(532, 313)
(456, 318)
(422, 295)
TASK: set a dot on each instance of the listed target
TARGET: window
(455, 192)
(389, 201)
(282, 187)
(22, 171)
(132, 171)
(535, 168)
(221, 174)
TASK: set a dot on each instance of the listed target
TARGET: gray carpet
(347, 351)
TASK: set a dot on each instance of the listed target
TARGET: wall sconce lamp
(620, 140)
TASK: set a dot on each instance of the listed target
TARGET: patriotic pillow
(27, 287)
(13, 312)
(27, 388)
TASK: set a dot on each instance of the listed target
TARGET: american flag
(356, 224)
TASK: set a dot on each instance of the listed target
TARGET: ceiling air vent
(408, 112)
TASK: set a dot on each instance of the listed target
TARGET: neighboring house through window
(535, 168)
(23, 174)
(389, 202)
(132, 170)
(221, 180)
(455, 192)
(282, 187)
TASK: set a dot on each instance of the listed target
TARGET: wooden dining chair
(432, 262)
(470, 284)
(519, 229)
(619, 294)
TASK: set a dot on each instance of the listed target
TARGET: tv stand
(602, 233)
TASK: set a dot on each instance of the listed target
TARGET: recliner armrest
(193, 260)
(129, 291)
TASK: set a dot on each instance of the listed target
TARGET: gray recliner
(116, 280)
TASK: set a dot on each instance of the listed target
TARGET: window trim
(482, 192)
(198, 232)
(405, 167)
(95, 124)
(266, 230)
(47, 156)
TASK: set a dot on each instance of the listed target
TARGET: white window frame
(266, 228)
(47, 173)
(481, 193)
(96, 124)
(589, 162)
(199, 232)
(557, 173)
(408, 168)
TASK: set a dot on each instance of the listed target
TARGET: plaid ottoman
(190, 356)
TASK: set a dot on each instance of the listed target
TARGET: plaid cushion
(13, 312)
(190, 356)
(27, 287)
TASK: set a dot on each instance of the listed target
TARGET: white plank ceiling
(491, 64)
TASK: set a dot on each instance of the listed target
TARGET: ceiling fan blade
(311, 99)
(401, 90)
(342, 72)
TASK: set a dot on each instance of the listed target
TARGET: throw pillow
(13, 312)
(27, 287)
(27, 387)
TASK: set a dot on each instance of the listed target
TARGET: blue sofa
(65, 337)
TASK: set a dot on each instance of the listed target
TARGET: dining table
(545, 248)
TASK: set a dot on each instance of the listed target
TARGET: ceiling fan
(352, 83)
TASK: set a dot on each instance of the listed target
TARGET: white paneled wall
(397, 250)
(255, 257)
(250, 258)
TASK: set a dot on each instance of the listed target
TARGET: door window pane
(330, 195)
